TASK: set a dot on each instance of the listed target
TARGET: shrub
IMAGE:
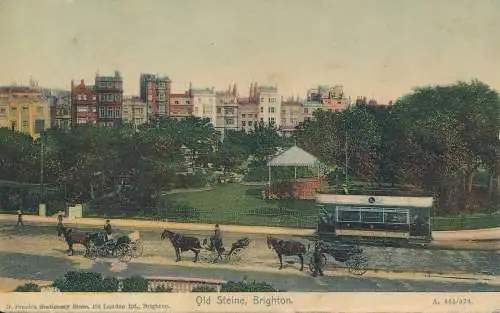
(162, 288)
(110, 284)
(135, 284)
(29, 287)
(243, 286)
(86, 282)
(203, 288)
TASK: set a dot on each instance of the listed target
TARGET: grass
(239, 204)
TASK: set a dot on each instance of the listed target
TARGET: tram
(375, 217)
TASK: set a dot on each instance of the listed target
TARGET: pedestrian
(59, 225)
(317, 259)
(20, 218)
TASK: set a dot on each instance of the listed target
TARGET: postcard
(249, 156)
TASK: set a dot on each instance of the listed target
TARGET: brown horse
(287, 248)
(76, 237)
(182, 243)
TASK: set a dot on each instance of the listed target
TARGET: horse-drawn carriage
(351, 255)
(124, 247)
(219, 252)
(209, 253)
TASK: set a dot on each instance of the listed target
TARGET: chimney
(255, 89)
(250, 94)
(235, 91)
(72, 84)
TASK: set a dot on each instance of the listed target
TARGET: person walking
(59, 225)
(19, 218)
(317, 259)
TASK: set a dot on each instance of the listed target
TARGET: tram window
(395, 217)
(349, 216)
(371, 217)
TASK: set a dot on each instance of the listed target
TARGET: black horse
(182, 243)
(287, 248)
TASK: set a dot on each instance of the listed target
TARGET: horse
(71, 237)
(182, 243)
(287, 248)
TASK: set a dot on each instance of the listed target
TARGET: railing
(178, 284)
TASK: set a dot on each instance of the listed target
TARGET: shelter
(296, 157)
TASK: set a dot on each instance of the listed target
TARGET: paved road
(34, 267)
(386, 258)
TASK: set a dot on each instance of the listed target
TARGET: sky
(379, 49)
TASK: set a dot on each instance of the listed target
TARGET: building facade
(155, 92)
(59, 106)
(331, 98)
(109, 91)
(204, 103)
(227, 110)
(291, 114)
(134, 111)
(24, 109)
(180, 105)
(84, 105)
(269, 101)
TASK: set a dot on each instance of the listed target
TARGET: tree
(446, 133)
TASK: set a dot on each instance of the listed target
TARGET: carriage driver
(107, 230)
(216, 239)
(317, 259)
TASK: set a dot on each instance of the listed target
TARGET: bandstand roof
(294, 156)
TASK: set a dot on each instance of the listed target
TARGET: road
(35, 253)
(34, 267)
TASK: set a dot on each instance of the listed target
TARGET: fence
(289, 218)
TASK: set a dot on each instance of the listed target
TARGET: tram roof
(375, 200)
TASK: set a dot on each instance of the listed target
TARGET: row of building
(32, 109)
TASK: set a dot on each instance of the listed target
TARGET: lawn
(240, 204)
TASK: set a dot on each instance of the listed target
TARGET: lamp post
(41, 204)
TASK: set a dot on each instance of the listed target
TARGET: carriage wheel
(124, 253)
(236, 255)
(322, 263)
(357, 264)
(93, 252)
(213, 257)
(137, 248)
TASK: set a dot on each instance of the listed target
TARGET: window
(82, 108)
(25, 123)
(188, 102)
(371, 217)
(117, 97)
(349, 216)
(110, 97)
(395, 217)
(162, 85)
(102, 84)
(229, 121)
(81, 121)
(243, 115)
(94, 97)
(13, 108)
(2, 110)
(306, 111)
(102, 112)
(261, 99)
(84, 97)
(176, 101)
(109, 111)
(273, 120)
(39, 109)
(250, 123)
(219, 110)
(102, 97)
(261, 109)
(109, 85)
(271, 110)
(244, 123)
